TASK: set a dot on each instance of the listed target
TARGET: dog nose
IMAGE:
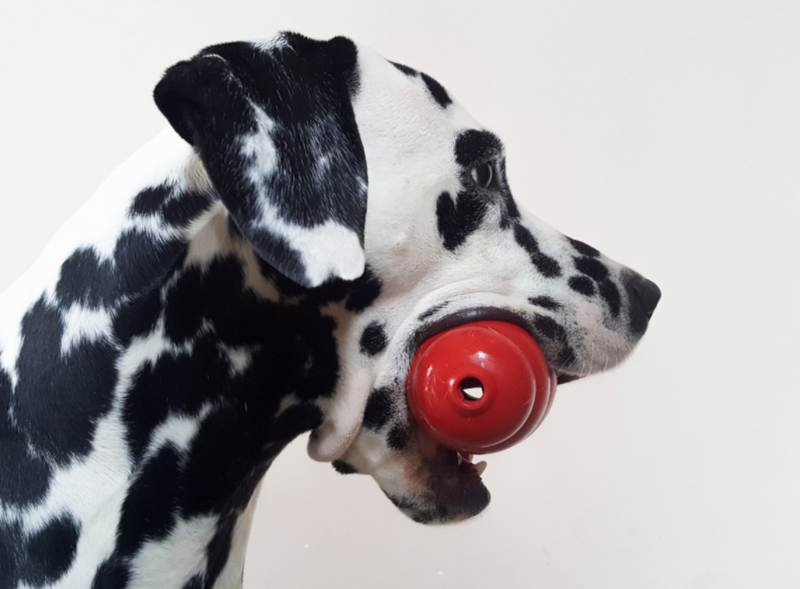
(643, 297)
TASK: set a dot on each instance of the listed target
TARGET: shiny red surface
(517, 383)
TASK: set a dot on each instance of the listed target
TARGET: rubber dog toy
(480, 387)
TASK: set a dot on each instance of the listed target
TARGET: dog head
(331, 159)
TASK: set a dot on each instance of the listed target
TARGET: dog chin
(447, 487)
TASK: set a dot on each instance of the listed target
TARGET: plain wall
(667, 134)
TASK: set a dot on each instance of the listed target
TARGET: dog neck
(153, 376)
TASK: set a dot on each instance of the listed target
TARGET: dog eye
(483, 175)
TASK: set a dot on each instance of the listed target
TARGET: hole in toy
(472, 389)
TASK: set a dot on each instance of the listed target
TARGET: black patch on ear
(546, 265)
(437, 91)
(398, 438)
(379, 409)
(409, 71)
(456, 221)
(364, 291)
(373, 339)
(60, 398)
(610, 294)
(473, 146)
(50, 552)
(303, 88)
(593, 268)
(343, 467)
(582, 284)
(545, 303)
(583, 248)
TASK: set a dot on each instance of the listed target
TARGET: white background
(665, 133)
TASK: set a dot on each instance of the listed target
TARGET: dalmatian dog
(265, 267)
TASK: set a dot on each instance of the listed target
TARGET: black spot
(456, 221)
(549, 328)
(343, 467)
(149, 200)
(59, 398)
(566, 355)
(112, 574)
(373, 339)
(185, 306)
(25, 477)
(582, 284)
(544, 263)
(176, 383)
(593, 268)
(473, 146)
(148, 512)
(140, 263)
(584, 248)
(50, 551)
(545, 302)
(409, 71)
(398, 438)
(437, 91)
(610, 294)
(137, 317)
(364, 291)
(181, 211)
(12, 548)
(379, 409)
(219, 549)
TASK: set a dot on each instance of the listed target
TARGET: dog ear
(273, 124)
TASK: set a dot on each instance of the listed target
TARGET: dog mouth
(457, 476)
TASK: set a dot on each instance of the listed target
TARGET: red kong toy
(480, 387)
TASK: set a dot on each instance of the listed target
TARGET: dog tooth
(480, 467)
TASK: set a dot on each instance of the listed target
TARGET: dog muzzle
(480, 387)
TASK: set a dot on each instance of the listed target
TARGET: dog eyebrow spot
(379, 409)
(474, 145)
(582, 284)
(373, 339)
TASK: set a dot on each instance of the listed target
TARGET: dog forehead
(404, 115)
